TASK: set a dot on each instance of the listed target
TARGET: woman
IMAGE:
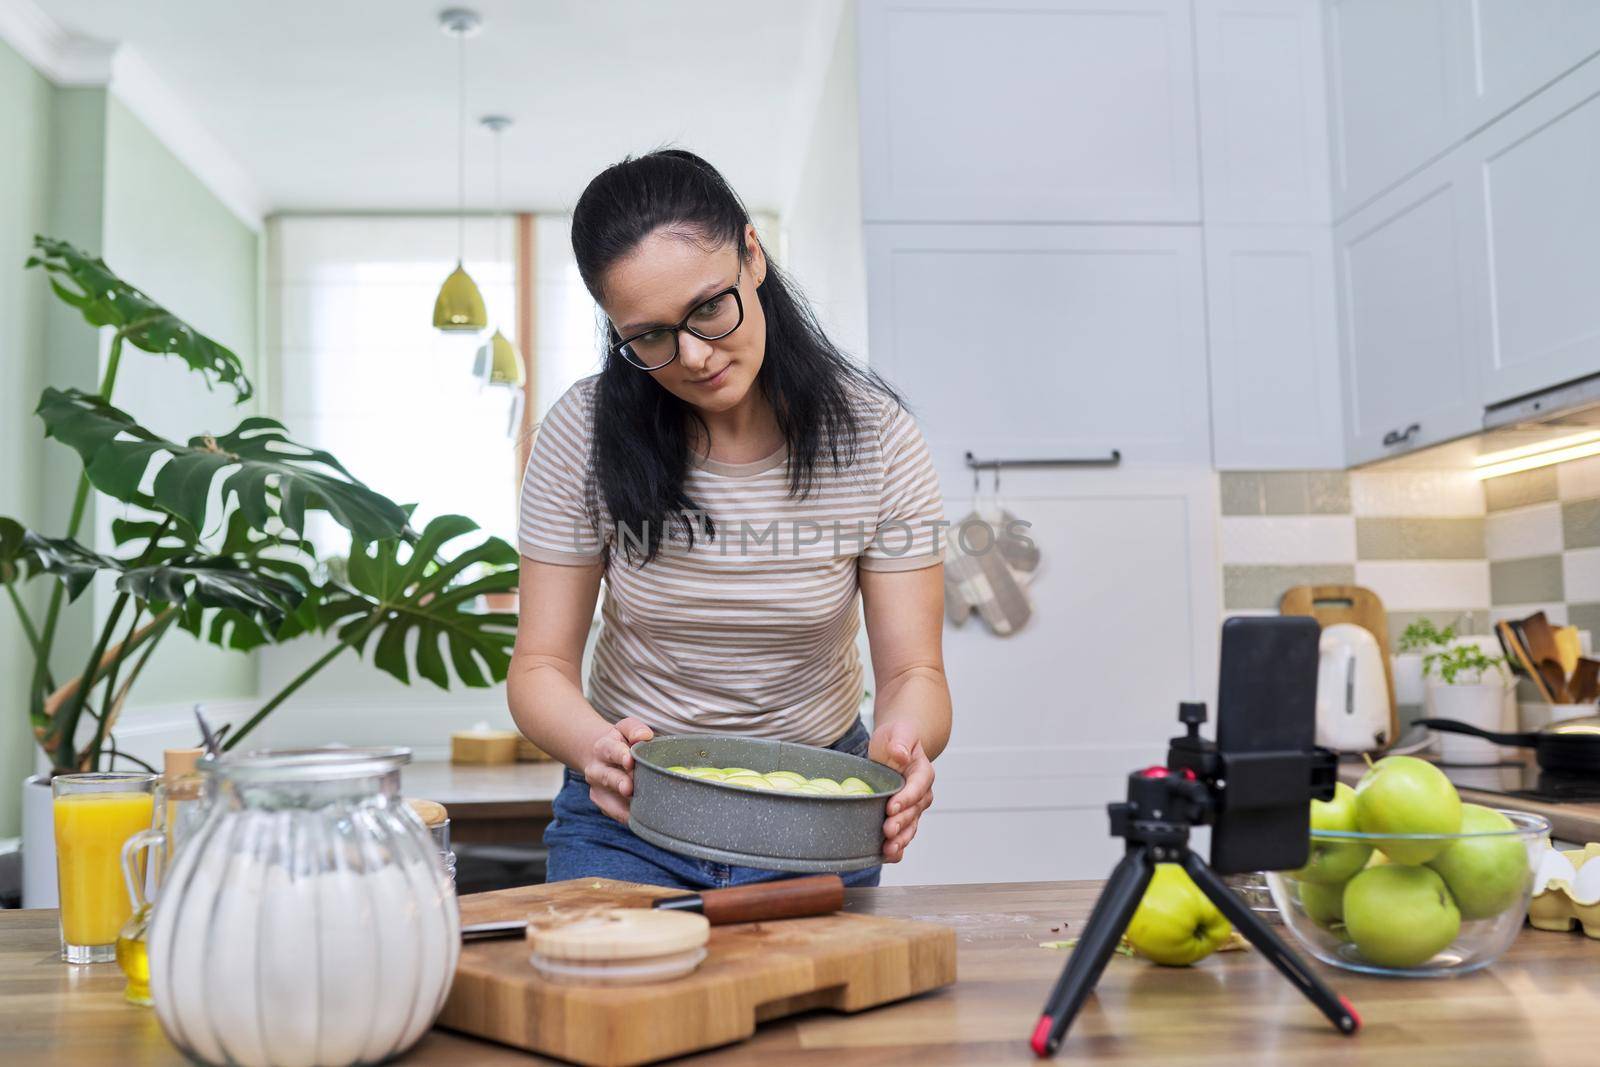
(738, 483)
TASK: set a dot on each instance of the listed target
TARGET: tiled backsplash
(1440, 544)
(1543, 543)
(1416, 538)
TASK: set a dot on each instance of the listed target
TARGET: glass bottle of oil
(178, 804)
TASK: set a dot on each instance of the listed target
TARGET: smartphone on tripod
(1253, 785)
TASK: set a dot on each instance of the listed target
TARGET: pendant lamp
(459, 307)
(501, 363)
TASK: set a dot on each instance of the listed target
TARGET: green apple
(748, 781)
(680, 769)
(1333, 861)
(1175, 923)
(708, 773)
(790, 775)
(855, 785)
(1324, 904)
(1486, 875)
(782, 785)
(1406, 795)
(729, 772)
(1400, 916)
(827, 785)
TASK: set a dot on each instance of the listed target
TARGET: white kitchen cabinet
(1519, 46)
(1029, 111)
(1396, 74)
(1057, 341)
(1275, 390)
(1537, 173)
(1050, 721)
(1263, 111)
(1410, 336)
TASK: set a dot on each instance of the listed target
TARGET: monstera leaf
(273, 480)
(397, 589)
(23, 551)
(104, 299)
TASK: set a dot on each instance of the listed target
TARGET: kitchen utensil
(1479, 943)
(1516, 652)
(620, 946)
(308, 919)
(1353, 713)
(786, 898)
(1554, 680)
(723, 823)
(1337, 603)
(753, 973)
(1570, 646)
(1584, 685)
(1541, 639)
(1571, 746)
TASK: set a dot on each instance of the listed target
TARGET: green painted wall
(25, 113)
(78, 164)
(168, 234)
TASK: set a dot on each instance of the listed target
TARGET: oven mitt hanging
(984, 581)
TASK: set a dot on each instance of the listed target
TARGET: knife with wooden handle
(788, 898)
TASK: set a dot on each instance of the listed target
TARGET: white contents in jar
(333, 950)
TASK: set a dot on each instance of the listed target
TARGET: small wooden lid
(431, 812)
(621, 934)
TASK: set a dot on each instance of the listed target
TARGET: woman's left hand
(895, 744)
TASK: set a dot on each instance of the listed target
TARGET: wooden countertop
(1537, 1005)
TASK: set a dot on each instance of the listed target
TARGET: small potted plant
(1467, 685)
(1417, 641)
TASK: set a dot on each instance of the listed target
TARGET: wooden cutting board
(753, 972)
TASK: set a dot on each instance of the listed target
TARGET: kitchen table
(502, 804)
(1537, 1005)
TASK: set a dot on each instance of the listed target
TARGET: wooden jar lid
(431, 812)
(621, 934)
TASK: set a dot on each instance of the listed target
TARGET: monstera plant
(214, 543)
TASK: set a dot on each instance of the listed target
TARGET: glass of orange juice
(95, 815)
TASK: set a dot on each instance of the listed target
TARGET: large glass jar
(308, 920)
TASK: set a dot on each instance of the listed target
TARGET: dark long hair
(641, 431)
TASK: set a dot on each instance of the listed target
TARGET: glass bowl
(1397, 923)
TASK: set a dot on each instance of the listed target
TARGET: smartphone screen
(1266, 703)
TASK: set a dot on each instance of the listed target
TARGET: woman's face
(670, 275)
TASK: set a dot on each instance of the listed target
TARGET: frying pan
(1571, 746)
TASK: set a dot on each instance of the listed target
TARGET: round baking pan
(723, 823)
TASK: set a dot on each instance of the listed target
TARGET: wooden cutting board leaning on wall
(753, 972)
(1330, 604)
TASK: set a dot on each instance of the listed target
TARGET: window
(359, 370)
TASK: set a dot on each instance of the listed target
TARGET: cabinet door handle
(1396, 437)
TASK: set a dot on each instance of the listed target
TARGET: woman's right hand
(609, 768)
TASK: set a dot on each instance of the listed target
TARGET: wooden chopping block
(752, 973)
(1330, 604)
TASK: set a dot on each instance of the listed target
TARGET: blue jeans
(585, 842)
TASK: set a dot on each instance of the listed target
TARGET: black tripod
(1163, 804)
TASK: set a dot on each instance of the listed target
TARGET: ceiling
(351, 105)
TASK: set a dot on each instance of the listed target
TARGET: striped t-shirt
(752, 632)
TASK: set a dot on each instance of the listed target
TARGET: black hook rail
(1113, 460)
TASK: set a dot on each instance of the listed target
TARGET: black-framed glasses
(711, 320)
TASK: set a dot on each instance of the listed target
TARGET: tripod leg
(1118, 900)
(1336, 1008)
